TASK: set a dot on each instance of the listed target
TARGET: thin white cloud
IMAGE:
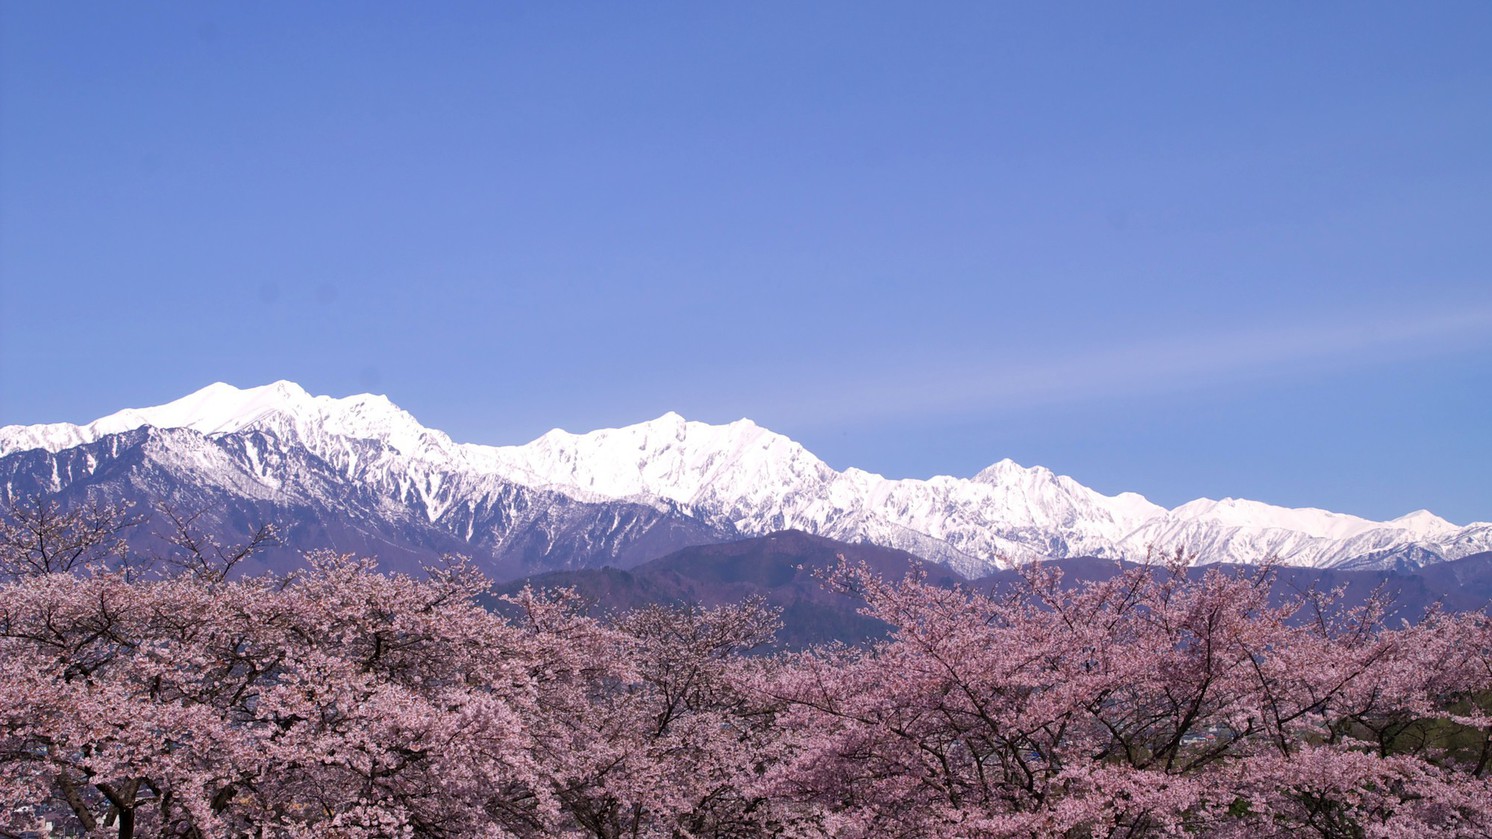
(1174, 364)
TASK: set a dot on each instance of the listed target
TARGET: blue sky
(1183, 249)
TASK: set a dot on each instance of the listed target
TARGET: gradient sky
(1189, 249)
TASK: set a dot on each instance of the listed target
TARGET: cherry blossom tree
(344, 702)
(1147, 704)
(665, 743)
(44, 536)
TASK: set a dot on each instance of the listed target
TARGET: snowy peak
(668, 457)
(1002, 470)
(282, 407)
(1050, 494)
(1239, 512)
(1423, 523)
(215, 409)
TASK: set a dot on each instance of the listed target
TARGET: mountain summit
(361, 468)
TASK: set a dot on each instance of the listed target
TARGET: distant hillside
(1461, 585)
(787, 569)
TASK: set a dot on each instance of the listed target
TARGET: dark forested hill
(787, 569)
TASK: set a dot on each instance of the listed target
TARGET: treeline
(341, 702)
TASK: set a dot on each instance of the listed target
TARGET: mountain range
(360, 474)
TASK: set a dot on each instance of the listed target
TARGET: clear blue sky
(1185, 249)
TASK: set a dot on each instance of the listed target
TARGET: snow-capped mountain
(626, 495)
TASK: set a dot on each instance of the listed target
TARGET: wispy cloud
(1176, 363)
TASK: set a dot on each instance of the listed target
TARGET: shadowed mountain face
(306, 501)
(787, 570)
(1461, 585)
(233, 483)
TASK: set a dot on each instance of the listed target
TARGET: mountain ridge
(717, 482)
